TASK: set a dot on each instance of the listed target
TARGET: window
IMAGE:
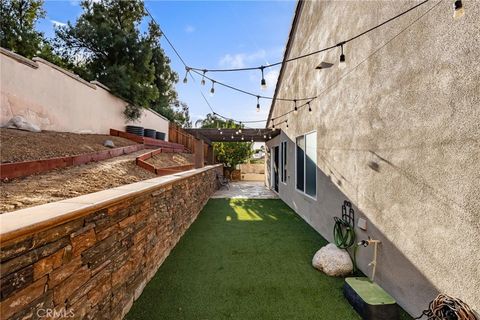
(283, 161)
(306, 164)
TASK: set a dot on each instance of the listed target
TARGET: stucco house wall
(398, 134)
(58, 100)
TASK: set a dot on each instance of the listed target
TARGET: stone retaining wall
(90, 257)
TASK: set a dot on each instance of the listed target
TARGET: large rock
(333, 261)
(19, 122)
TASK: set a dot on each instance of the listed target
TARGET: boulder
(19, 122)
(108, 144)
(333, 261)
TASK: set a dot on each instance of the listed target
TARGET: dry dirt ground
(75, 181)
(18, 145)
(163, 160)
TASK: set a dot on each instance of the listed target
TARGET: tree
(230, 153)
(106, 45)
(17, 30)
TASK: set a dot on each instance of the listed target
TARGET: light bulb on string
(232, 137)
(263, 83)
(273, 125)
(286, 121)
(212, 90)
(203, 78)
(243, 138)
(258, 103)
(342, 64)
(309, 107)
(458, 11)
(264, 136)
(251, 140)
(295, 108)
(221, 132)
(185, 80)
(240, 130)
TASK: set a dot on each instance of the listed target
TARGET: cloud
(58, 23)
(189, 29)
(240, 60)
(271, 78)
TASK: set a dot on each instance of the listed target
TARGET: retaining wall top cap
(19, 223)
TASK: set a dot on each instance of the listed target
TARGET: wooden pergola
(233, 135)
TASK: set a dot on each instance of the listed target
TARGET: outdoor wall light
(203, 78)
(459, 11)
(342, 64)
(324, 65)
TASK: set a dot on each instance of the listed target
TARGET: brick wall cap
(20, 223)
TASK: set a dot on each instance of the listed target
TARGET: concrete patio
(245, 190)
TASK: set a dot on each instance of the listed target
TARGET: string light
(240, 130)
(264, 136)
(295, 108)
(185, 80)
(286, 121)
(232, 136)
(212, 91)
(309, 107)
(203, 78)
(320, 50)
(458, 11)
(342, 64)
(243, 138)
(263, 83)
(258, 103)
(251, 140)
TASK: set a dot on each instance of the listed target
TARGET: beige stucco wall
(57, 100)
(399, 136)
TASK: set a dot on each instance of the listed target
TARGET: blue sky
(213, 34)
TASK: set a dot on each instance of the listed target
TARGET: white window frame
(283, 162)
(304, 192)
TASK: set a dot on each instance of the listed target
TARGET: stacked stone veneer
(96, 262)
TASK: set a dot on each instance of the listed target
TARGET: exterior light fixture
(269, 137)
(258, 103)
(309, 107)
(212, 91)
(324, 65)
(273, 125)
(243, 138)
(459, 11)
(263, 83)
(342, 64)
(203, 78)
(232, 136)
(264, 136)
(221, 132)
(295, 108)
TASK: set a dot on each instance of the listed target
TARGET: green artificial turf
(244, 259)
